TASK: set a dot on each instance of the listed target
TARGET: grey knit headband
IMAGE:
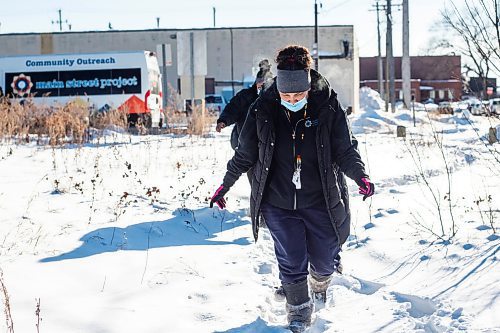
(293, 81)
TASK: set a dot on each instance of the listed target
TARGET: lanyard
(296, 152)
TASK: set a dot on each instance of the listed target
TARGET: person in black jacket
(237, 109)
(298, 143)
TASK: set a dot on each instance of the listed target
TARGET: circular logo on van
(21, 84)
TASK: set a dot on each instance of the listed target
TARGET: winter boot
(319, 284)
(299, 306)
(299, 316)
(338, 264)
(279, 294)
(339, 268)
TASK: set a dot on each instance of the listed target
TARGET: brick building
(436, 77)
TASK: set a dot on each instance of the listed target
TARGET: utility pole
(315, 44)
(390, 58)
(60, 21)
(380, 67)
(191, 67)
(385, 83)
(213, 9)
(405, 61)
(157, 23)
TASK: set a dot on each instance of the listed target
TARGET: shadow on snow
(186, 228)
(257, 326)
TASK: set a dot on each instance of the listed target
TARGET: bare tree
(476, 28)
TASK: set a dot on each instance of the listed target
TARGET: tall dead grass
(200, 121)
(54, 125)
(196, 122)
(73, 122)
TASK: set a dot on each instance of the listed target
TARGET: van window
(154, 81)
(213, 99)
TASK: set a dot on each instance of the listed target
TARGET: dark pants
(302, 238)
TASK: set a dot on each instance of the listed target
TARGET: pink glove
(218, 197)
(366, 187)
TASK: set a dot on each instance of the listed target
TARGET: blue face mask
(295, 107)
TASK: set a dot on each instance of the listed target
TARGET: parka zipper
(294, 130)
(295, 190)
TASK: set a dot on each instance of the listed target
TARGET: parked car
(215, 104)
(495, 106)
(445, 108)
(486, 107)
(476, 108)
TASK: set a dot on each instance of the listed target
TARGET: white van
(128, 81)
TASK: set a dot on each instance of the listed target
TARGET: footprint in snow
(493, 237)
(430, 316)
(205, 316)
(384, 212)
(358, 285)
(468, 246)
(418, 306)
(264, 268)
(368, 226)
(353, 241)
(200, 297)
(483, 227)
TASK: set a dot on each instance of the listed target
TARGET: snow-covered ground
(117, 236)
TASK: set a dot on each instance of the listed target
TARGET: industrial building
(216, 60)
(432, 77)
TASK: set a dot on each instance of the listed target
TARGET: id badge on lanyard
(296, 174)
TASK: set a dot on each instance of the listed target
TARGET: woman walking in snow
(298, 141)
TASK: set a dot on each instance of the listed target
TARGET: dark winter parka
(236, 111)
(337, 151)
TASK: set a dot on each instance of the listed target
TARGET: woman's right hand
(218, 197)
(366, 188)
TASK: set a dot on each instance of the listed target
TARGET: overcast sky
(37, 16)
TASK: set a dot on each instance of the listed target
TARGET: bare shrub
(193, 122)
(176, 118)
(67, 123)
(200, 121)
(8, 317)
(13, 120)
(107, 119)
(37, 314)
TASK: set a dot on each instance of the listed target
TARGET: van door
(3, 88)
(154, 100)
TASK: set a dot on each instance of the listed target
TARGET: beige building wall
(244, 46)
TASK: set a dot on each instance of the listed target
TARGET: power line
(336, 6)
